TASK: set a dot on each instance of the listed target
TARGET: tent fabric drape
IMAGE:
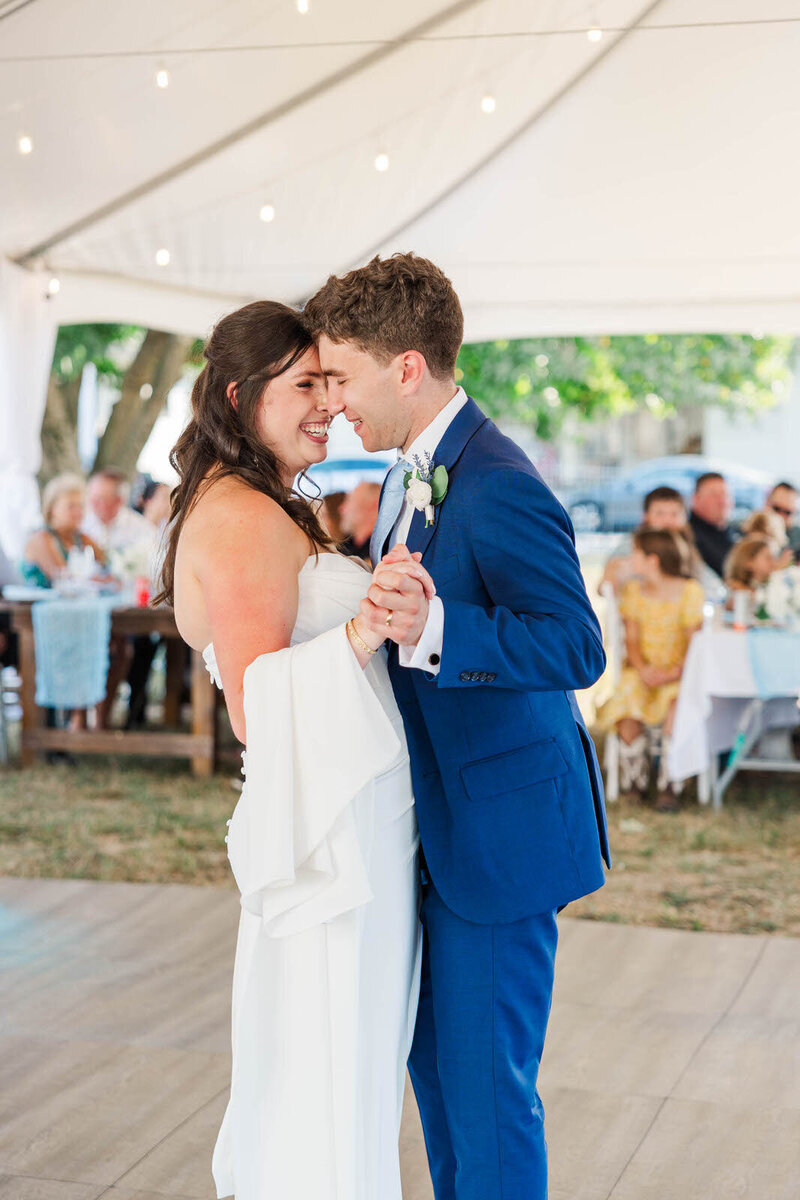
(27, 338)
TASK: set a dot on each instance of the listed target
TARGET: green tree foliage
(538, 381)
(140, 364)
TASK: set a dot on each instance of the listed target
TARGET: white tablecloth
(716, 686)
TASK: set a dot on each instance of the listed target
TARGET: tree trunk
(159, 364)
(60, 430)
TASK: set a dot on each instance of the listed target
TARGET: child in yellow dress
(661, 608)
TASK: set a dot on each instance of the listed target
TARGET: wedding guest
(330, 515)
(47, 550)
(664, 508)
(767, 523)
(358, 515)
(712, 505)
(783, 500)
(109, 521)
(661, 608)
(154, 505)
(749, 564)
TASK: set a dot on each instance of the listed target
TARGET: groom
(507, 786)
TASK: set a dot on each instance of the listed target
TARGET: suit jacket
(507, 784)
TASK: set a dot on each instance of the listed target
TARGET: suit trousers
(484, 1005)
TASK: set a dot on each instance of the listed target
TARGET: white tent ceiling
(649, 179)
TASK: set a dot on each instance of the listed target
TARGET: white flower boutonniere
(426, 487)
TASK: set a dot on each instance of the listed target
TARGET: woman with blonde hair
(47, 550)
(750, 563)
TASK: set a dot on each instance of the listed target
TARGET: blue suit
(509, 802)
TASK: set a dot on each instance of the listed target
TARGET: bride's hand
(397, 567)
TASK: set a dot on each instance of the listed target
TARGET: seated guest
(358, 515)
(749, 564)
(330, 514)
(47, 550)
(154, 503)
(664, 508)
(661, 609)
(109, 521)
(710, 520)
(783, 500)
(766, 523)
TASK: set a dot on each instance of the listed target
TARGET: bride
(323, 840)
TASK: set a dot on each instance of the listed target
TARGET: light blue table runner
(71, 639)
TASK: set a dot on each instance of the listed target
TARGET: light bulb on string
(162, 77)
(594, 34)
(382, 161)
(162, 257)
(54, 286)
(488, 103)
(267, 212)
(25, 144)
(303, 6)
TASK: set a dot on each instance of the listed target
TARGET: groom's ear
(414, 368)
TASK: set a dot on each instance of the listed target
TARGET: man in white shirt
(109, 521)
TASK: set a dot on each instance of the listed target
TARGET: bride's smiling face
(293, 418)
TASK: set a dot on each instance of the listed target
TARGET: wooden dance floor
(672, 1069)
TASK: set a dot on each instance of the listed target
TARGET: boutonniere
(426, 486)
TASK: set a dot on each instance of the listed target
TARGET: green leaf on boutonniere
(439, 484)
(407, 478)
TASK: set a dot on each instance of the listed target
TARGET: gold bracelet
(357, 638)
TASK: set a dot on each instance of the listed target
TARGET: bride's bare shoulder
(229, 515)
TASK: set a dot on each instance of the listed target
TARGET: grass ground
(737, 871)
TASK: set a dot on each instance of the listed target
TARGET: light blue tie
(391, 504)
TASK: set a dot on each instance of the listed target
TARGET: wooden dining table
(198, 744)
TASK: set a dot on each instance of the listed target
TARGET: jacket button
(434, 660)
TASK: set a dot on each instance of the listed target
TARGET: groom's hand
(399, 591)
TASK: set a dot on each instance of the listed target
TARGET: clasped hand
(401, 589)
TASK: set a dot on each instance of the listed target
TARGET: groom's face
(368, 392)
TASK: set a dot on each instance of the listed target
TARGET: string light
(303, 6)
(162, 257)
(162, 77)
(382, 161)
(488, 103)
(54, 287)
(25, 144)
(267, 212)
(594, 34)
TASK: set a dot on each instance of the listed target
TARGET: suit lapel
(462, 428)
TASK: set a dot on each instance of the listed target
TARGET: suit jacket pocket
(515, 769)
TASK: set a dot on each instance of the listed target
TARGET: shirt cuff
(427, 654)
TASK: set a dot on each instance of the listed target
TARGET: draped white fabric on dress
(323, 848)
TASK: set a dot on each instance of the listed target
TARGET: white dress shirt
(432, 636)
(129, 528)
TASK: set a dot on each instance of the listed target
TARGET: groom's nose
(333, 405)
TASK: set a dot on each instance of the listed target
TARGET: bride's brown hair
(248, 347)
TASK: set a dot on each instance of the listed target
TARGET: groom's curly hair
(391, 305)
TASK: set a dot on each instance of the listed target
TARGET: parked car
(616, 504)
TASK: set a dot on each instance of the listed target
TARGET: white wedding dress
(323, 845)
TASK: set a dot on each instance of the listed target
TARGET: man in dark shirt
(710, 520)
(783, 499)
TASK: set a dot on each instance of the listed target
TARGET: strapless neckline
(313, 562)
